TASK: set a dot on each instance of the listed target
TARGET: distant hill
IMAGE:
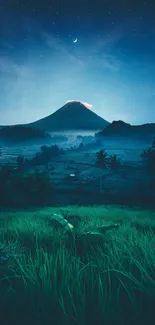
(122, 129)
(72, 116)
(19, 133)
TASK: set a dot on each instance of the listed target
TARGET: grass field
(50, 277)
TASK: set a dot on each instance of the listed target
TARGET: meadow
(52, 276)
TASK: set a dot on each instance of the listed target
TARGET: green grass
(49, 279)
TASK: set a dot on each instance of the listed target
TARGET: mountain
(72, 116)
(122, 129)
(19, 133)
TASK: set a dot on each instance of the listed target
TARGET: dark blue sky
(111, 66)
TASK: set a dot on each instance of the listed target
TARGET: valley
(77, 179)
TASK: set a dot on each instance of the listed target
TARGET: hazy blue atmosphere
(99, 52)
(77, 164)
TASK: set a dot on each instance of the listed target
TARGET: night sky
(111, 66)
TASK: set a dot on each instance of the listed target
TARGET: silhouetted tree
(114, 162)
(146, 153)
(101, 158)
(149, 158)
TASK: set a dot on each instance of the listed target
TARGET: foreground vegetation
(23, 189)
(50, 276)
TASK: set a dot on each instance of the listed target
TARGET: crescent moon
(75, 41)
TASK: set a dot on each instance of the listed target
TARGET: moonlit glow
(75, 41)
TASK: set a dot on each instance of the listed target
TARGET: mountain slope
(72, 116)
(122, 129)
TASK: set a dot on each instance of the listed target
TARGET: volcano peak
(74, 115)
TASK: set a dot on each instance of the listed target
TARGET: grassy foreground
(46, 279)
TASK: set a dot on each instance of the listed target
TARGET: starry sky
(111, 66)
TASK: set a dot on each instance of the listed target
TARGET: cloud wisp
(89, 106)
